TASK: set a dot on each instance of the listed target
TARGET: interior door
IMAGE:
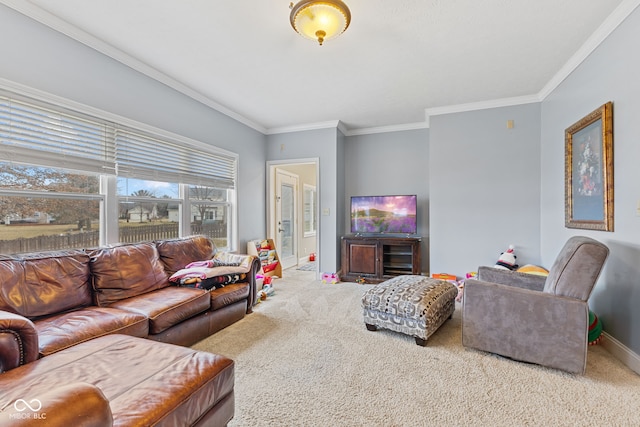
(286, 218)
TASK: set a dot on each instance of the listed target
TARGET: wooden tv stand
(379, 258)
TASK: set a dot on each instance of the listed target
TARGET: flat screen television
(384, 214)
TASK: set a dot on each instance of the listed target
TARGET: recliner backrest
(577, 267)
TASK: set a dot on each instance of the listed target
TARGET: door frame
(271, 225)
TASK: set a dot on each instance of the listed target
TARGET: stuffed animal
(507, 260)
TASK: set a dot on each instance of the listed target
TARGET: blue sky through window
(130, 186)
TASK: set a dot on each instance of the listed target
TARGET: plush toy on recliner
(507, 260)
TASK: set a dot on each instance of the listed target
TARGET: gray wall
(324, 145)
(38, 57)
(610, 73)
(484, 187)
(390, 163)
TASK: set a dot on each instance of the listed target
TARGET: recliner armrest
(511, 278)
(18, 341)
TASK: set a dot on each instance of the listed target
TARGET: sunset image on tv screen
(383, 214)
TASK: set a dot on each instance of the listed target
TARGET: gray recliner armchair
(536, 319)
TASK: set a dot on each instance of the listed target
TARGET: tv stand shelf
(375, 259)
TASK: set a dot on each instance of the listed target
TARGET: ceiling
(397, 60)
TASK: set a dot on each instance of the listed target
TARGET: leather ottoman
(123, 380)
(413, 305)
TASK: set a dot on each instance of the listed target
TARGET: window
(209, 213)
(310, 220)
(52, 163)
(46, 208)
(148, 210)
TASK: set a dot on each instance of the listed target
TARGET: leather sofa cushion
(228, 294)
(126, 271)
(146, 382)
(45, 283)
(68, 329)
(167, 307)
(175, 254)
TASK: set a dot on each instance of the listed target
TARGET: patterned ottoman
(412, 305)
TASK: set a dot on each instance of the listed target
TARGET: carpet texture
(304, 358)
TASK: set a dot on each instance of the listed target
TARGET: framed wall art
(589, 171)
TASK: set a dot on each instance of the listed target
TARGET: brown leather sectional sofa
(84, 333)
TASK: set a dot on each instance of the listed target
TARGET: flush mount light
(320, 20)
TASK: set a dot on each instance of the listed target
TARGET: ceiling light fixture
(320, 20)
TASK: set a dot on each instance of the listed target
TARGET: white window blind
(142, 156)
(43, 134)
(36, 134)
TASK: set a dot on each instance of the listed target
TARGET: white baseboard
(620, 352)
(303, 260)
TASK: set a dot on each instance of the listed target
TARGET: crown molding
(385, 129)
(604, 30)
(42, 16)
(608, 26)
(331, 124)
(482, 105)
(348, 132)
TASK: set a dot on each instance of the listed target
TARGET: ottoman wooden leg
(421, 342)
(371, 327)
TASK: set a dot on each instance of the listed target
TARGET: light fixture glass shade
(320, 20)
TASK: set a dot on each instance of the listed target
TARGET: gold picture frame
(589, 171)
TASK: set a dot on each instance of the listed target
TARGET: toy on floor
(330, 278)
(595, 329)
(265, 292)
(507, 260)
(445, 276)
(460, 287)
(460, 284)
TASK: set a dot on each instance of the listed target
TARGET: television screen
(384, 214)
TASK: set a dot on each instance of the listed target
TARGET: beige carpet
(304, 358)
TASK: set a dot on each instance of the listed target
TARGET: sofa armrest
(253, 286)
(511, 278)
(252, 264)
(526, 325)
(76, 404)
(18, 341)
